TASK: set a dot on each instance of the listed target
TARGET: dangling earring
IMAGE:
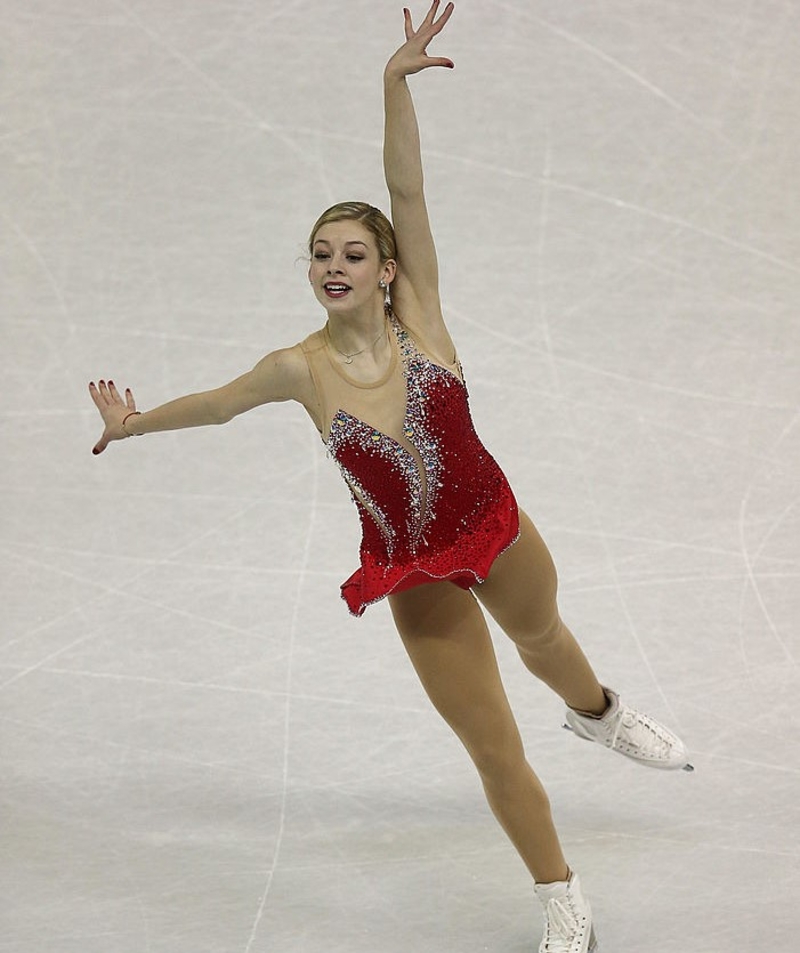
(382, 285)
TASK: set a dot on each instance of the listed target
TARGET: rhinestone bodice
(432, 501)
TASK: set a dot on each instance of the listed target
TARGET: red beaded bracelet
(133, 413)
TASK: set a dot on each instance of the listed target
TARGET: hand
(113, 410)
(411, 57)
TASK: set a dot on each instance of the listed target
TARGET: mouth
(336, 290)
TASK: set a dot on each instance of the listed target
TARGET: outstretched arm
(415, 290)
(281, 375)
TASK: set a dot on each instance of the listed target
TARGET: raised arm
(281, 375)
(415, 290)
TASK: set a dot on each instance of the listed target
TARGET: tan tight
(447, 639)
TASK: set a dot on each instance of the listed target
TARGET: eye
(320, 256)
(355, 257)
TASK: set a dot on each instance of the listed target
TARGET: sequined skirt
(461, 554)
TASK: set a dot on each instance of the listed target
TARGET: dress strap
(413, 344)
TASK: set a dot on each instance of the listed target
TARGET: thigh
(520, 592)
(447, 639)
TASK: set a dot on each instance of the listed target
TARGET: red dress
(433, 503)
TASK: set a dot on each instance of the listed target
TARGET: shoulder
(310, 345)
(284, 373)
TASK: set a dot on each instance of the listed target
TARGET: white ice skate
(636, 735)
(567, 918)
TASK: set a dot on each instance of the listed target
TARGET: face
(346, 268)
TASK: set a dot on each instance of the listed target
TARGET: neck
(350, 332)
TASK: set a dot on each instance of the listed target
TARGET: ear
(389, 270)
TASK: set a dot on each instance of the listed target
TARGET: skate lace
(637, 730)
(562, 925)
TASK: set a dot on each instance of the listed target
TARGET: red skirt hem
(359, 591)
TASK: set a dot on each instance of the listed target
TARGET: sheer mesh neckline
(353, 381)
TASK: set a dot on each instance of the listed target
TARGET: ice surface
(202, 752)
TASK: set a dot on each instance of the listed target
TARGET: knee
(498, 759)
(509, 778)
(538, 638)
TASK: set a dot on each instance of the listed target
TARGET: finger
(438, 25)
(102, 388)
(431, 13)
(105, 393)
(441, 61)
(129, 401)
(407, 23)
(100, 446)
(94, 393)
(112, 389)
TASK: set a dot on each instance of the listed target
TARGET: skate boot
(567, 918)
(632, 733)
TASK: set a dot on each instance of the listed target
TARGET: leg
(520, 595)
(446, 637)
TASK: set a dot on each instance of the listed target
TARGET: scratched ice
(202, 751)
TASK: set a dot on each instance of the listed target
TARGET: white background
(202, 752)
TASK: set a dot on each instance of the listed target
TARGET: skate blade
(685, 767)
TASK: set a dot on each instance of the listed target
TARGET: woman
(442, 534)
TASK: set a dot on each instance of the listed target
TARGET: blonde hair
(370, 217)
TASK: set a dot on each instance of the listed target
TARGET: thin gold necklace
(348, 358)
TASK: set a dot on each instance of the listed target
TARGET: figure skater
(442, 533)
